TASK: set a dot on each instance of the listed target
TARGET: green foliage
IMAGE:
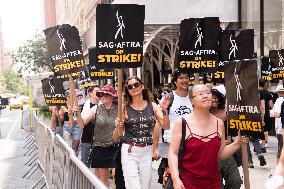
(13, 82)
(44, 111)
(33, 55)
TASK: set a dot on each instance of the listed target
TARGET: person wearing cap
(275, 112)
(103, 116)
(88, 130)
(228, 168)
(71, 129)
(140, 118)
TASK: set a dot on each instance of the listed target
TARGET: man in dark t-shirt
(268, 98)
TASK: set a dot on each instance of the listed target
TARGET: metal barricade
(61, 167)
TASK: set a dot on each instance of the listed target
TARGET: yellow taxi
(16, 103)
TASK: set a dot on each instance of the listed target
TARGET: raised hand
(165, 102)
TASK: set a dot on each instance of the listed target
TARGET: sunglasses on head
(133, 85)
(102, 94)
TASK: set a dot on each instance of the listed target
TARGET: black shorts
(102, 157)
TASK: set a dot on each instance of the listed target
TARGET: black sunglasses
(133, 85)
(102, 94)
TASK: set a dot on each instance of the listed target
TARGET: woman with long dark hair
(138, 125)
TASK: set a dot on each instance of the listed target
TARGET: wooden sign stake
(74, 101)
(119, 93)
(245, 166)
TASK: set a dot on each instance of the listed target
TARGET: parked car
(16, 103)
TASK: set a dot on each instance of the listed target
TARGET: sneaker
(261, 160)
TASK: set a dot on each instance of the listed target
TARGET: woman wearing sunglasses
(138, 127)
(204, 145)
(103, 115)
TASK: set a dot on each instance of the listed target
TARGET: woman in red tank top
(204, 145)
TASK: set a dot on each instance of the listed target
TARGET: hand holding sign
(242, 139)
(119, 127)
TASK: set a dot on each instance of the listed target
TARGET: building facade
(49, 13)
(162, 27)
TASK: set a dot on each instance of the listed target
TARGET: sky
(20, 20)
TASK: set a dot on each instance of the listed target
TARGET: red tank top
(199, 166)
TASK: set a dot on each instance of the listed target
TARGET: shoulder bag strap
(182, 142)
(94, 124)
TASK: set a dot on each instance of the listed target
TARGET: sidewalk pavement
(12, 161)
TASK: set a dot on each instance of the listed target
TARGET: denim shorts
(59, 131)
(74, 132)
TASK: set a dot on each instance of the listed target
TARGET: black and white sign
(65, 50)
(96, 73)
(266, 73)
(120, 35)
(235, 45)
(243, 98)
(277, 63)
(198, 44)
(53, 91)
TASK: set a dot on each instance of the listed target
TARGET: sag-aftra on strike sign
(65, 50)
(120, 35)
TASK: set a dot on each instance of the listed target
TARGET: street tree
(13, 82)
(32, 56)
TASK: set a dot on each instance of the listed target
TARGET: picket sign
(119, 40)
